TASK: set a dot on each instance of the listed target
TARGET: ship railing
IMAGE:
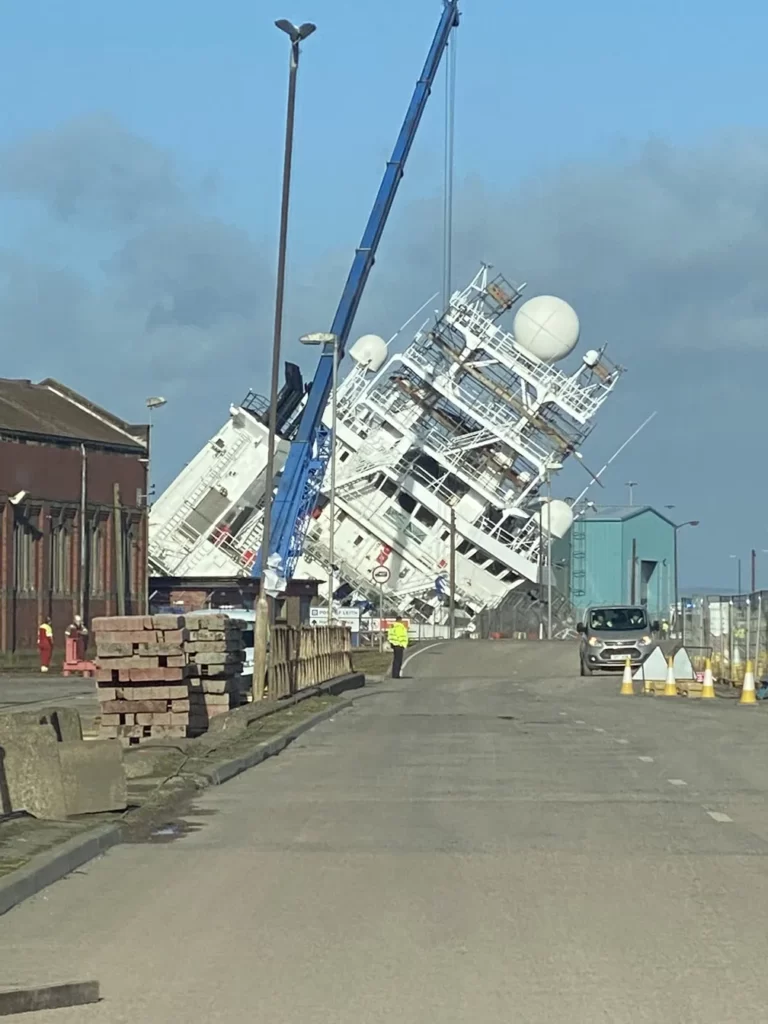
(563, 389)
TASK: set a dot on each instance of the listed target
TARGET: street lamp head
(318, 338)
(694, 522)
(297, 33)
(156, 402)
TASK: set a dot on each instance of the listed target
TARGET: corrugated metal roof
(50, 409)
(619, 513)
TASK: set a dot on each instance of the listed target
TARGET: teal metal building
(618, 555)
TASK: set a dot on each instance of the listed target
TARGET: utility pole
(263, 604)
(117, 527)
(549, 554)
(452, 581)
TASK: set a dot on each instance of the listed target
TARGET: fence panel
(306, 656)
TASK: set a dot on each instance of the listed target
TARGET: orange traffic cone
(670, 688)
(748, 687)
(627, 690)
(708, 689)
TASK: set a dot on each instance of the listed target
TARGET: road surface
(493, 841)
(27, 691)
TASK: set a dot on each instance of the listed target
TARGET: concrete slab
(30, 770)
(93, 777)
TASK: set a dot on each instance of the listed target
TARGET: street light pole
(262, 617)
(631, 484)
(452, 579)
(678, 609)
(549, 553)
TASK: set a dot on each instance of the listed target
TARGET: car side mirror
(581, 628)
(655, 627)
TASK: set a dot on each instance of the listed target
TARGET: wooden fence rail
(304, 657)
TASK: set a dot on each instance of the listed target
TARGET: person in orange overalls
(45, 643)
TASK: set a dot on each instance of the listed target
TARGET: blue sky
(592, 110)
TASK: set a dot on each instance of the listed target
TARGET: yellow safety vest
(397, 634)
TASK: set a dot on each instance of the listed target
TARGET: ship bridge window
(497, 568)
(358, 540)
(426, 517)
(464, 547)
(241, 518)
(445, 535)
(388, 487)
(480, 557)
(344, 456)
(405, 501)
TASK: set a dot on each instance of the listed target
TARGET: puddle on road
(168, 830)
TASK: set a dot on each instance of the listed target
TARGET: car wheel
(585, 669)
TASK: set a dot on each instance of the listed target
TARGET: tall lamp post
(738, 562)
(296, 35)
(678, 528)
(152, 403)
(331, 341)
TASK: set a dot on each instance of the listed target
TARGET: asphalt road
(30, 690)
(493, 841)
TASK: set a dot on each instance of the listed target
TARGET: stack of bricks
(161, 676)
(215, 654)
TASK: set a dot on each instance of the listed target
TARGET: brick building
(73, 526)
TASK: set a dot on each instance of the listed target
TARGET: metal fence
(522, 615)
(729, 630)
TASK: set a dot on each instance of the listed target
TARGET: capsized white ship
(470, 418)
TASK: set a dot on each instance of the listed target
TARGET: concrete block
(65, 722)
(168, 621)
(194, 621)
(93, 776)
(161, 650)
(120, 623)
(173, 636)
(30, 770)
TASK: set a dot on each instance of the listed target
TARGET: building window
(25, 553)
(61, 560)
(97, 558)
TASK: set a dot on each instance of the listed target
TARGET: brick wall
(40, 556)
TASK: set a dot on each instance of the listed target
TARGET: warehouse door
(647, 572)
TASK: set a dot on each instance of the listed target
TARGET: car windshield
(618, 619)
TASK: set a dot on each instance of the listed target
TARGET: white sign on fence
(342, 616)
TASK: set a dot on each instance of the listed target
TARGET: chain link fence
(729, 630)
(522, 615)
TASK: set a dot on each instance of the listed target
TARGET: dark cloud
(663, 254)
(93, 168)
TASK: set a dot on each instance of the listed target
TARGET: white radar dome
(369, 351)
(591, 358)
(560, 515)
(547, 327)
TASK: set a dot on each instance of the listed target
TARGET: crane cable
(450, 122)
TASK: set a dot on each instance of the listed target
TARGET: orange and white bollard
(708, 689)
(627, 689)
(670, 687)
(748, 687)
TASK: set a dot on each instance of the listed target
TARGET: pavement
(25, 691)
(492, 840)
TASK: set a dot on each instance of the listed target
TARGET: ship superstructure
(470, 419)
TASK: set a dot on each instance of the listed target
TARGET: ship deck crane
(309, 453)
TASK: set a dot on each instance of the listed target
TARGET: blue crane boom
(309, 454)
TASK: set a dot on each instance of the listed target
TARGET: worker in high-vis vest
(397, 635)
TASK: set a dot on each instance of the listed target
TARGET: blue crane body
(305, 466)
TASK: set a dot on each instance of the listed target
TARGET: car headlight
(594, 642)
(646, 640)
